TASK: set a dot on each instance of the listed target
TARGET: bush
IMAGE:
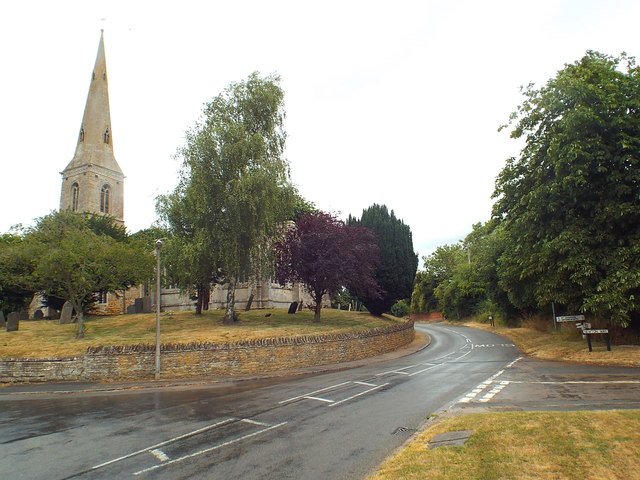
(400, 308)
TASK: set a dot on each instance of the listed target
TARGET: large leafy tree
(326, 255)
(68, 260)
(461, 295)
(234, 189)
(439, 268)
(569, 205)
(396, 271)
(15, 264)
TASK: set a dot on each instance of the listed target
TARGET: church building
(94, 182)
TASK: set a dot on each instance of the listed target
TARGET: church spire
(97, 115)
(95, 131)
(93, 179)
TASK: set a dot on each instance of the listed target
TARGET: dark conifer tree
(398, 262)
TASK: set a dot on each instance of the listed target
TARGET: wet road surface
(335, 425)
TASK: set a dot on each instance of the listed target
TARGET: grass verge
(565, 345)
(47, 338)
(603, 445)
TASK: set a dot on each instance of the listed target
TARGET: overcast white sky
(394, 102)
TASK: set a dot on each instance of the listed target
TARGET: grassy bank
(525, 445)
(46, 338)
(566, 345)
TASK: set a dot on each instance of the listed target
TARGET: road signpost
(570, 318)
(597, 331)
(587, 331)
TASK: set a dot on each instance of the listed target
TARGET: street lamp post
(158, 247)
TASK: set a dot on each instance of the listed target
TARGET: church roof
(95, 139)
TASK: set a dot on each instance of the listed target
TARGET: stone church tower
(93, 181)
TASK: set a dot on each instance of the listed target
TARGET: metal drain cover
(403, 430)
(450, 439)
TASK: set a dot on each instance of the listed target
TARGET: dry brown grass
(566, 345)
(46, 338)
(525, 446)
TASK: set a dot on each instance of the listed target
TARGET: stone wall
(210, 359)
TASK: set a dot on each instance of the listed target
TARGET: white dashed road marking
(486, 384)
(159, 454)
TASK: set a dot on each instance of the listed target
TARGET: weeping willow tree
(234, 189)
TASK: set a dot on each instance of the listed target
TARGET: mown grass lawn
(47, 338)
(602, 445)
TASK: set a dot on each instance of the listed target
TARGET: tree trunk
(318, 300)
(206, 294)
(78, 309)
(199, 299)
(231, 301)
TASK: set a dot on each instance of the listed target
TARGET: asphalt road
(336, 425)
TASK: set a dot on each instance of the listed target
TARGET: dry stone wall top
(247, 357)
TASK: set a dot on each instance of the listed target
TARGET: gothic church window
(81, 134)
(104, 198)
(101, 296)
(75, 193)
(106, 135)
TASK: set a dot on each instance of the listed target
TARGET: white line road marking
(158, 445)
(255, 422)
(159, 454)
(210, 449)
(424, 369)
(326, 400)
(429, 366)
(358, 395)
(581, 382)
(365, 384)
(293, 399)
(399, 371)
(513, 363)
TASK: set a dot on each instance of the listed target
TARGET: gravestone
(66, 316)
(131, 309)
(13, 320)
(38, 315)
(23, 315)
(138, 305)
(146, 304)
(249, 302)
(293, 308)
(3, 322)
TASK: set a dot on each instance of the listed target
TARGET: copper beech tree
(325, 254)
